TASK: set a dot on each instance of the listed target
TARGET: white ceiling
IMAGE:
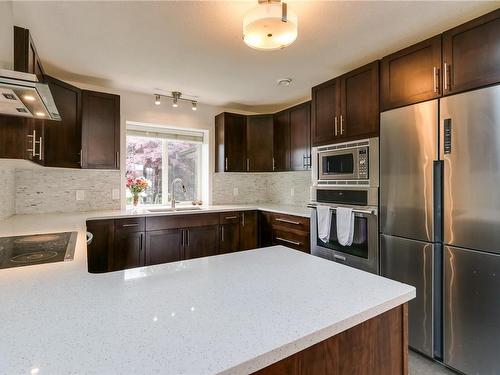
(196, 47)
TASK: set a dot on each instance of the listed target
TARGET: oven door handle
(356, 211)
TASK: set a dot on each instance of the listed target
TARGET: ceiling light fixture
(176, 97)
(284, 82)
(40, 114)
(270, 26)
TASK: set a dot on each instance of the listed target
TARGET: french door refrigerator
(410, 247)
(470, 150)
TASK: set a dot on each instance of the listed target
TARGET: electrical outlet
(292, 192)
(235, 192)
(115, 194)
(80, 195)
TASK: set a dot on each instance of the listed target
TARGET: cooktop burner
(36, 249)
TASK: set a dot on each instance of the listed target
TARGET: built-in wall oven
(357, 162)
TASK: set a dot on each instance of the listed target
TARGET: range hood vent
(22, 95)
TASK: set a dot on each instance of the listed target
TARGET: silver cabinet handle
(183, 231)
(117, 160)
(40, 148)
(274, 164)
(222, 233)
(129, 225)
(248, 164)
(39, 142)
(341, 125)
(230, 217)
(140, 244)
(335, 125)
(339, 257)
(81, 158)
(288, 221)
(32, 149)
(226, 163)
(435, 73)
(243, 219)
(445, 77)
(289, 241)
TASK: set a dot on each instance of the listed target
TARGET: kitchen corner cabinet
(249, 230)
(230, 138)
(259, 143)
(346, 108)
(100, 130)
(471, 54)
(411, 75)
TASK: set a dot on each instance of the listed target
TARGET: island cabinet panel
(259, 143)
(100, 130)
(377, 346)
(287, 230)
(411, 75)
(325, 112)
(201, 241)
(230, 138)
(99, 251)
(300, 137)
(281, 141)
(128, 250)
(249, 230)
(471, 54)
(360, 112)
(163, 246)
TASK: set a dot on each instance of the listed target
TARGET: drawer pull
(230, 217)
(339, 257)
(288, 221)
(289, 241)
(130, 225)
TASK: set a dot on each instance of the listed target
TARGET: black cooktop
(37, 249)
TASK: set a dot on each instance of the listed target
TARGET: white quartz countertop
(281, 209)
(226, 314)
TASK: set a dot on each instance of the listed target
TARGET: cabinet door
(230, 151)
(281, 141)
(100, 250)
(325, 112)
(201, 241)
(259, 143)
(249, 230)
(63, 139)
(266, 229)
(128, 250)
(300, 137)
(411, 75)
(13, 140)
(360, 103)
(100, 130)
(229, 238)
(471, 54)
(26, 58)
(163, 246)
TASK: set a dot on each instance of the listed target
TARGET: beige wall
(6, 35)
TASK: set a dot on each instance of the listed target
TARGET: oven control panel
(363, 163)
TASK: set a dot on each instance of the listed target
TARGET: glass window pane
(184, 162)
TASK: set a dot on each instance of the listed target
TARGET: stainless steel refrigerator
(443, 156)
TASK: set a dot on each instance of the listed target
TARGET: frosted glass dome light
(270, 26)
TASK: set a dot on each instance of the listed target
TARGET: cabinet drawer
(135, 224)
(229, 217)
(181, 221)
(291, 222)
(291, 239)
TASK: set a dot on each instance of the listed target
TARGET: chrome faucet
(173, 190)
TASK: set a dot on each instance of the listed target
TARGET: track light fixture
(176, 97)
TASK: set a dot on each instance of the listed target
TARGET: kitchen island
(227, 314)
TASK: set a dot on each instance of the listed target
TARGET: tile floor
(419, 365)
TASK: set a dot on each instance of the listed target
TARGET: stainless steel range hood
(22, 95)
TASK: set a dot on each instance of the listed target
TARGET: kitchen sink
(177, 209)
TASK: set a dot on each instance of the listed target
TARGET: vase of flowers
(137, 186)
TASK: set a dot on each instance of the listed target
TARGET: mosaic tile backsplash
(8, 196)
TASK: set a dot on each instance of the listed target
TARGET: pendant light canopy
(270, 26)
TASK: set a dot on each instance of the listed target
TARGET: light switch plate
(80, 195)
(235, 192)
(115, 194)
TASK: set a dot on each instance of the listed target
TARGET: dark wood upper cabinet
(163, 246)
(201, 241)
(411, 75)
(249, 230)
(63, 138)
(259, 143)
(281, 141)
(26, 58)
(360, 111)
(471, 54)
(230, 151)
(100, 130)
(300, 137)
(13, 138)
(325, 112)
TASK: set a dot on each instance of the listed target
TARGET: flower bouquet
(137, 186)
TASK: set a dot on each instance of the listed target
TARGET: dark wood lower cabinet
(249, 230)
(287, 230)
(99, 252)
(128, 250)
(163, 246)
(229, 238)
(378, 346)
(201, 241)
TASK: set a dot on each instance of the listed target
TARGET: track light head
(157, 100)
(193, 106)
